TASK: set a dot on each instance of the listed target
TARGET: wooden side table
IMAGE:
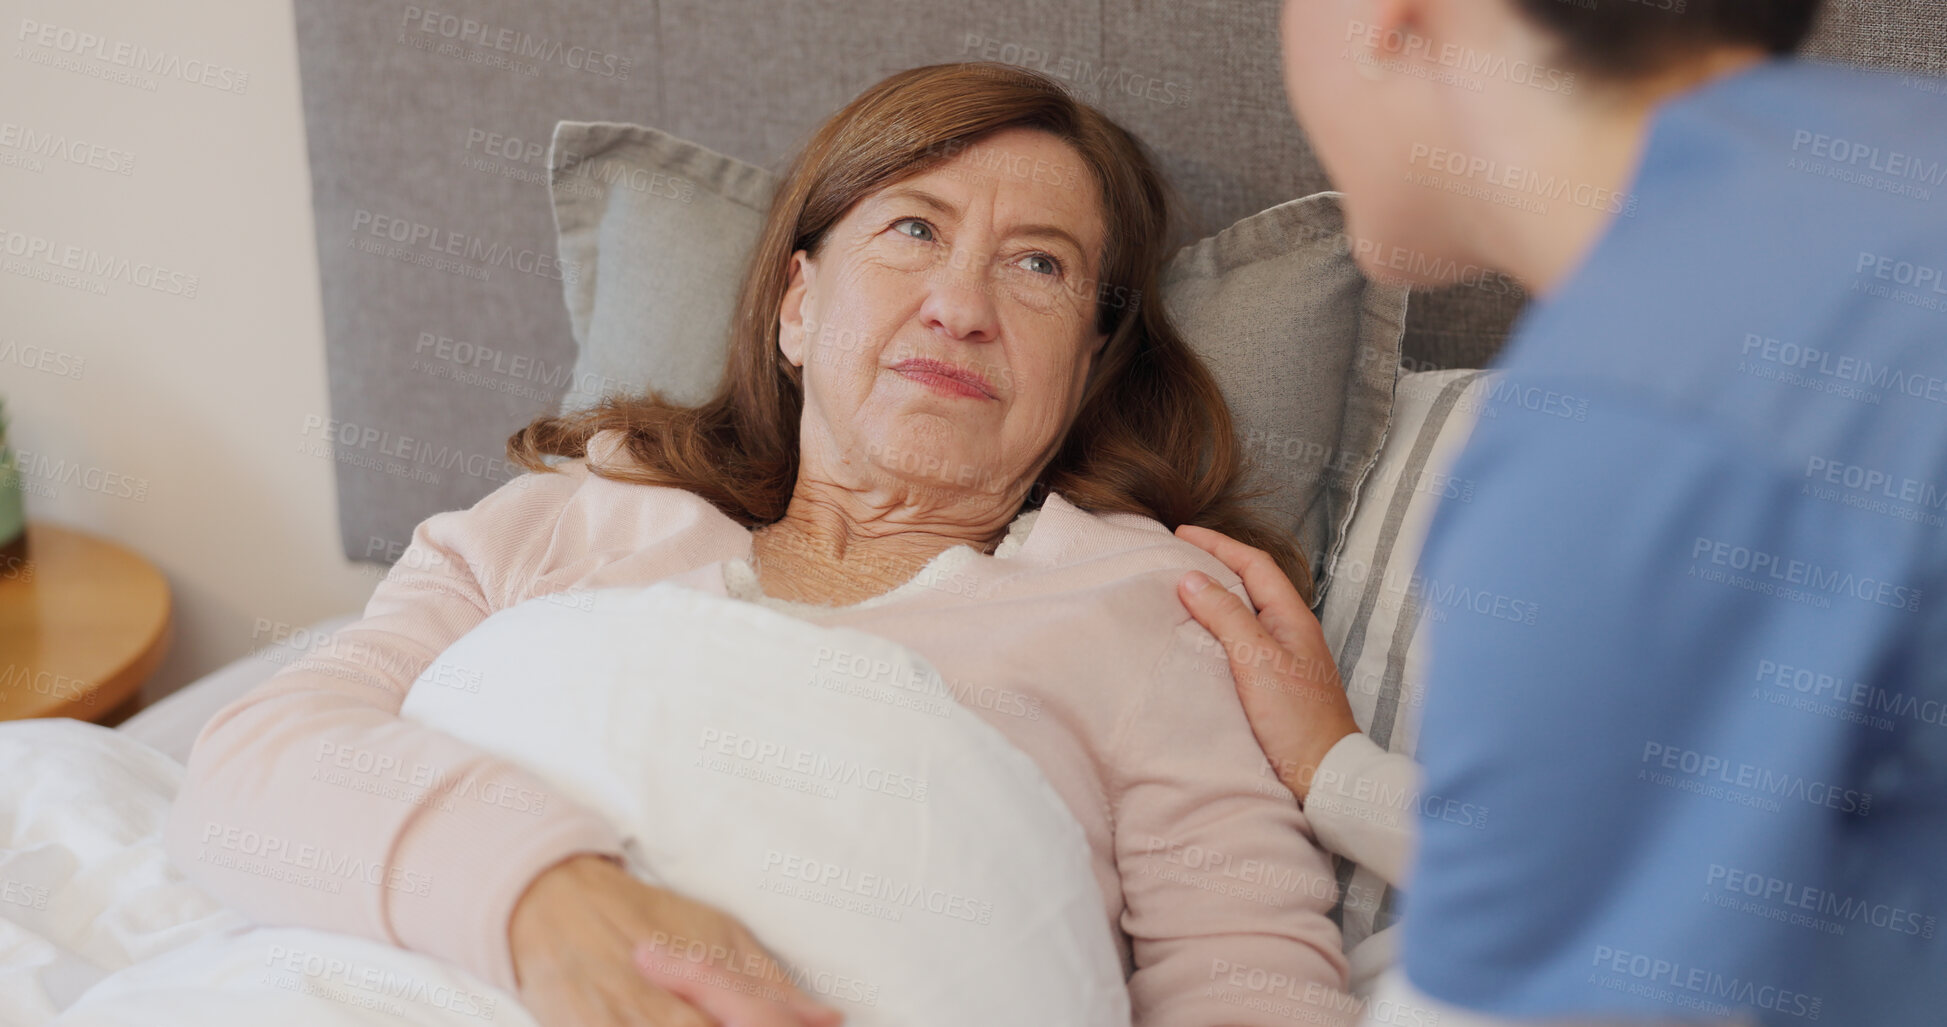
(83, 622)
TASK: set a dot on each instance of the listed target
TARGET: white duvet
(905, 862)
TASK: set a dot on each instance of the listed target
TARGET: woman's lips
(946, 379)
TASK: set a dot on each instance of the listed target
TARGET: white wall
(179, 409)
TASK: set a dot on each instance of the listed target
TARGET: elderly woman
(949, 367)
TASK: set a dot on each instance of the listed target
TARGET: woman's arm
(1360, 799)
(1226, 895)
(308, 801)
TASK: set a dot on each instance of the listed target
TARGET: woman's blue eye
(1042, 264)
(919, 229)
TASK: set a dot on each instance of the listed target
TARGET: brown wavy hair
(1153, 435)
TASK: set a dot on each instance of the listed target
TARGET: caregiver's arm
(1226, 895)
(309, 801)
(1358, 798)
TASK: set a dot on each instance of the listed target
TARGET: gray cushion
(1307, 351)
(1305, 348)
(666, 226)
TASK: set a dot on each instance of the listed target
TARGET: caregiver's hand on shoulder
(594, 947)
(1284, 671)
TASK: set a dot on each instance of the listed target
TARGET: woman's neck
(839, 547)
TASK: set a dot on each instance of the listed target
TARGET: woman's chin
(921, 457)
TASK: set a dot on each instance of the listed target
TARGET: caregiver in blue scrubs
(1717, 760)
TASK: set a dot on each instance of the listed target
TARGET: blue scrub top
(1712, 481)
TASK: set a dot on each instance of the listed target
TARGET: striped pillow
(1372, 611)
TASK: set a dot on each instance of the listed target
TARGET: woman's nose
(960, 299)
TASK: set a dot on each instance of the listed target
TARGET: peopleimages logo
(616, 172)
(1087, 75)
(62, 471)
(88, 261)
(324, 866)
(1837, 907)
(422, 243)
(516, 43)
(1902, 272)
(1874, 482)
(55, 146)
(1710, 769)
(1844, 699)
(1404, 46)
(418, 452)
(78, 44)
(1519, 180)
(347, 980)
(1902, 281)
(1891, 163)
(1844, 368)
(1694, 986)
(42, 359)
(884, 891)
(1774, 570)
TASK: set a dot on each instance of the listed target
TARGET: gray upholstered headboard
(428, 125)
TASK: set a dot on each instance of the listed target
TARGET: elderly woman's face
(947, 326)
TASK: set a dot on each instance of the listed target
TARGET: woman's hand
(594, 947)
(1284, 672)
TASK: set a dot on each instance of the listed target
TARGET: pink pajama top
(1069, 639)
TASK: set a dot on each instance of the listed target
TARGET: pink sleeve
(309, 802)
(1226, 892)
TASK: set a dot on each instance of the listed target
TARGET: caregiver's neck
(1593, 137)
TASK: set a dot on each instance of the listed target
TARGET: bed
(429, 134)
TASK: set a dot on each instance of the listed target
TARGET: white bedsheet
(905, 861)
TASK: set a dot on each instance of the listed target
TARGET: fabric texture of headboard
(428, 125)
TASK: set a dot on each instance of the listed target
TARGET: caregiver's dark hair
(1153, 435)
(1622, 39)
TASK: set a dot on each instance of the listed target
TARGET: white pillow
(817, 783)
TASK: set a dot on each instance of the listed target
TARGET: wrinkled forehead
(1026, 177)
